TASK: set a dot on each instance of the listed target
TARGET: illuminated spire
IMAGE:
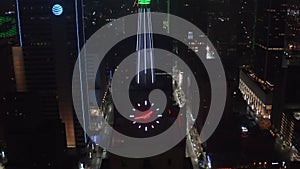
(144, 2)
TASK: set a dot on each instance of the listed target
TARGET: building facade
(50, 35)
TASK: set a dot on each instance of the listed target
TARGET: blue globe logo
(57, 9)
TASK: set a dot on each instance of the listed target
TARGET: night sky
(6, 5)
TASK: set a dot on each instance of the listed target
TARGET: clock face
(145, 118)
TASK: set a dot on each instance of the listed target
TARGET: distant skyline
(63, 98)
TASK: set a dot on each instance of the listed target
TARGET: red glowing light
(144, 116)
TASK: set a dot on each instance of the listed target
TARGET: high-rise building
(287, 93)
(198, 16)
(246, 34)
(22, 127)
(234, 44)
(289, 130)
(31, 140)
(51, 39)
(99, 13)
(6, 68)
(24, 130)
(269, 40)
(292, 38)
(8, 34)
(276, 64)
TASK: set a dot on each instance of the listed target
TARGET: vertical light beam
(151, 45)
(80, 74)
(19, 23)
(145, 41)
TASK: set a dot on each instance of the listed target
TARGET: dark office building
(198, 16)
(246, 31)
(287, 93)
(290, 128)
(277, 63)
(172, 159)
(50, 38)
(286, 96)
(8, 39)
(228, 31)
(269, 42)
(292, 38)
(31, 141)
(6, 68)
(99, 13)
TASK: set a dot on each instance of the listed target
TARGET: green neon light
(144, 2)
(8, 27)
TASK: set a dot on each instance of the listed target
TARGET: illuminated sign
(144, 2)
(8, 26)
(57, 9)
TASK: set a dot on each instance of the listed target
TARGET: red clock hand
(144, 116)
